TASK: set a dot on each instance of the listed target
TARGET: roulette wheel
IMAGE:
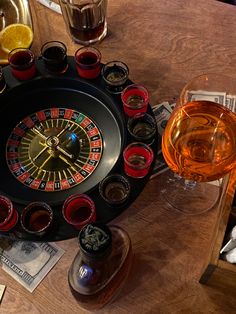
(62, 135)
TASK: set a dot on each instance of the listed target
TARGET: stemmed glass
(199, 143)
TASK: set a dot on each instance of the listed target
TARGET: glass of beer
(85, 20)
(199, 143)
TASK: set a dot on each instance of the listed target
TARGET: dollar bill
(162, 114)
(2, 290)
(160, 166)
(224, 99)
(28, 262)
(217, 97)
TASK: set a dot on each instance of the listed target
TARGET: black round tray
(92, 99)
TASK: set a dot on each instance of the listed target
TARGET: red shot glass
(79, 210)
(88, 62)
(135, 99)
(138, 158)
(8, 215)
(22, 63)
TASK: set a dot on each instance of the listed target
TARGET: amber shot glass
(88, 62)
(8, 215)
(114, 189)
(22, 63)
(142, 127)
(115, 75)
(79, 210)
(138, 158)
(135, 99)
(37, 218)
(3, 84)
(54, 55)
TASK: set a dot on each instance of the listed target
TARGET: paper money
(160, 166)
(28, 262)
(162, 114)
(2, 290)
(216, 97)
(224, 99)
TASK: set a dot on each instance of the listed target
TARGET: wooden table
(164, 43)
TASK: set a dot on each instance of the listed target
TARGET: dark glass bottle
(101, 266)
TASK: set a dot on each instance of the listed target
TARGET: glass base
(88, 42)
(190, 197)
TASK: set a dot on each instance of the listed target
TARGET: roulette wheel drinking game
(62, 135)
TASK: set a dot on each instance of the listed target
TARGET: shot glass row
(115, 74)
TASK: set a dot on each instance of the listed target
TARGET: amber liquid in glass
(115, 192)
(37, 219)
(199, 141)
(142, 129)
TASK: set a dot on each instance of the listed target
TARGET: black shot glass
(54, 55)
(142, 128)
(114, 189)
(37, 218)
(115, 75)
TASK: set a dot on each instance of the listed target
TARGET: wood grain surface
(165, 44)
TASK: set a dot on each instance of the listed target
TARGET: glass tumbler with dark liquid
(85, 20)
(101, 266)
